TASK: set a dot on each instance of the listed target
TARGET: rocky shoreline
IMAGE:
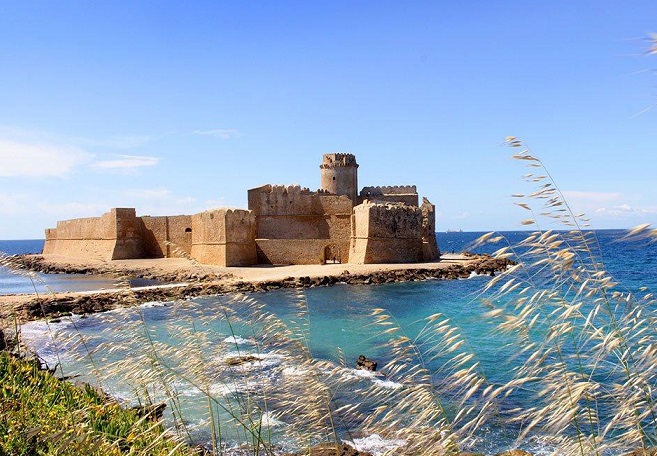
(38, 263)
(197, 283)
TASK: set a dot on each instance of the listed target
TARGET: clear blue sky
(178, 107)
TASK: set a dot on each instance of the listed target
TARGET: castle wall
(295, 225)
(386, 233)
(167, 236)
(180, 235)
(154, 236)
(50, 245)
(112, 236)
(224, 237)
(128, 234)
(300, 251)
(406, 194)
(430, 250)
(283, 200)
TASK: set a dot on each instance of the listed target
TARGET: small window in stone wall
(188, 230)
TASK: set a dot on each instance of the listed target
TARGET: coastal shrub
(40, 414)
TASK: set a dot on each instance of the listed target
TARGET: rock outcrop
(364, 363)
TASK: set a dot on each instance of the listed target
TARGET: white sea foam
(46, 338)
(376, 378)
(388, 384)
(238, 340)
(268, 419)
(293, 371)
(150, 304)
(223, 389)
(41, 327)
(376, 445)
(261, 360)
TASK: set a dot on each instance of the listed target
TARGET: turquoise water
(187, 343)
(13, 283)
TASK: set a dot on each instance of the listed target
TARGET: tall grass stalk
(585, 351)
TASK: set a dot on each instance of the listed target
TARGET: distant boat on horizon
(455, 231)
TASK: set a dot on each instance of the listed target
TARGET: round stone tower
(340, 175)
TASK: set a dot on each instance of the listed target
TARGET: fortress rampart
(429, 244)
(167, 236)
(120, 234)
(112, 236)
(284, 224)
(386, 233)
(225, 237)
(406, 194)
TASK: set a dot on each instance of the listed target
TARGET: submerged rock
(239, 360)
(365, 364)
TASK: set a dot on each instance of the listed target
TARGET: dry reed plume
(585, 350)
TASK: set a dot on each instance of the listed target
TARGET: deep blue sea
(335, 323)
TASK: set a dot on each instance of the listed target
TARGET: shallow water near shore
(339, 329)
(13, 283)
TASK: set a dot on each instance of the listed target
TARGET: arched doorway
(331, 254)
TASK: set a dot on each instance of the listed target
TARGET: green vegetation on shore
(40, 414)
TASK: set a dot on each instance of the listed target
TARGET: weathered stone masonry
(283, 225)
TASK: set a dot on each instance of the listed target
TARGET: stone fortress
(283, 225)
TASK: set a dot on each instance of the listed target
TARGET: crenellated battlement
(380, 207)
(389, 190)
(282, 189)
(337, 159)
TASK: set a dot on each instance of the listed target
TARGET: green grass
(40, 414)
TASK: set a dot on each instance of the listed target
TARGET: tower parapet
(340, 175)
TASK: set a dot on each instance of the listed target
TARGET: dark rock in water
(239, 360)
(330, 449)
(365, 364)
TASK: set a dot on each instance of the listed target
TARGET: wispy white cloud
(625, 210)
(157, 201)
(125, 162)
(33, 153)
(115, 142)
(220, 133)
(39, 159)
(462, 215)
(72, 209)
(37, 136)
(608, 205)
(15, 203)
